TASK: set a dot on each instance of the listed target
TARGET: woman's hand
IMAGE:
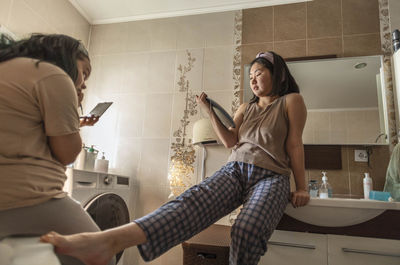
(203, 102)
(88, 120)
(299, 198)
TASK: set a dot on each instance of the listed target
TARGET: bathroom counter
(353, 217)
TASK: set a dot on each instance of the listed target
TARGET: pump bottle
(325, 190)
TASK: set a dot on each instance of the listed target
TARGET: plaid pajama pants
(263, 193)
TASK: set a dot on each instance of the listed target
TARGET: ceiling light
(360, 65)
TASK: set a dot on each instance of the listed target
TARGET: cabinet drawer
(343, 250)
(286, 248)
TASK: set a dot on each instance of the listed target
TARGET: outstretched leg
(263, 208)
(191, 212)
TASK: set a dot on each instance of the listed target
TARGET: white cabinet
(346, 250)
(287, 248)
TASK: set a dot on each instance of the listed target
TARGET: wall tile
(325, 46)
(127, 157)
(134, 73)
(153, 166)
(23, 20)
(162, 67)
(217, 76)
(109, 79)
(219, 29)
(258, 25)
(157, 116)
(113, 38)
(138, 36)
(5, 8)
(249, 51)
(360, 45)
(291, 49)
(191, 32)
(338, 131)
(131, 110)
(163, 34)
(290, 22)
(360, 16)
(324, 18)
(151, 198)
(394, 9)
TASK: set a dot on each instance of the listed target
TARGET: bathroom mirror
(345, 99)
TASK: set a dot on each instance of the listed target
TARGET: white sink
(332, 212)
(335, 212)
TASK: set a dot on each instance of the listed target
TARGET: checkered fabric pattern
(263, 193)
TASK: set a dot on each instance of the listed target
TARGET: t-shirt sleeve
(58, 103)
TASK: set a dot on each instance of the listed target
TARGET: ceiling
(107, 11)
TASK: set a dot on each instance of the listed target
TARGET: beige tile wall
(319, 27)
(24, 17)
(315, 28)
(135, 65)
(359, 126)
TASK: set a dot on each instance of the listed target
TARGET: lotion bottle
(367, 181)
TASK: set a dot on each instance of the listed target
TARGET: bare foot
(90, 248)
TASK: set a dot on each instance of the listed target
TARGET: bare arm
(65, 148)
(229, 137)
(297, 114)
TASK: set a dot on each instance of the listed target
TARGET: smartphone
(99, 109)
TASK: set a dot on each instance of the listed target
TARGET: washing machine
(106, 197)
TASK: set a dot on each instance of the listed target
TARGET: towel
(26, 250)
(392, 183)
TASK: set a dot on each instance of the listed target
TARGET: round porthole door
(108, 210)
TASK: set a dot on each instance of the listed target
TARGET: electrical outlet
(360, 156)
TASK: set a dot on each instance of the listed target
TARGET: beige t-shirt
(262, 137)
(36, 101)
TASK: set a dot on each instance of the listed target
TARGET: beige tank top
(262, 137)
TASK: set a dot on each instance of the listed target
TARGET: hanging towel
(392, 183)
(26, 250)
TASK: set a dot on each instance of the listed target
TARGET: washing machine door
(108, 210)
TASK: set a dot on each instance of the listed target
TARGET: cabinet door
(343, 250)
(287, 248)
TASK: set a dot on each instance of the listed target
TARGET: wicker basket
(198, 254)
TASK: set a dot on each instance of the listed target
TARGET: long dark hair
(283, 82)
(60, 50)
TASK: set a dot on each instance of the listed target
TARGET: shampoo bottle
(367, 181)
(325, 190)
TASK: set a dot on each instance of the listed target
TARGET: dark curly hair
(282, 80)
(60, 50)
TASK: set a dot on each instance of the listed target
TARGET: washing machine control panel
(108, 179)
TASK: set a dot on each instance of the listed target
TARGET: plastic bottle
(90, 157)
(313, 188)
(367, 181)
(101, 165)
(325, 190)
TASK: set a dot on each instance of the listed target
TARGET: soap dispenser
(90, 158)
(325, 190)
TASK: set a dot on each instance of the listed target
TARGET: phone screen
(99, 109)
